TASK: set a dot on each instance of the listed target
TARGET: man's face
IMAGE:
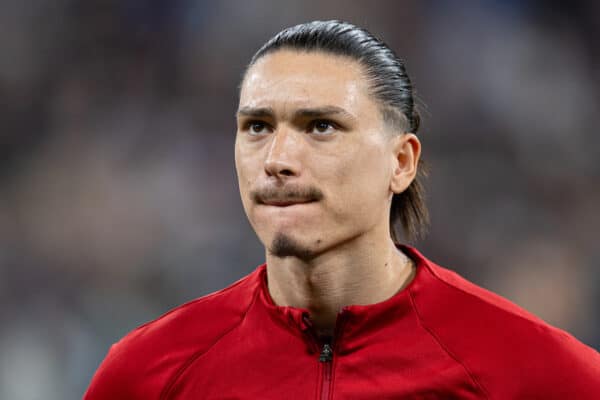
(312, 153)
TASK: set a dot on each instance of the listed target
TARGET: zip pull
(326, 353)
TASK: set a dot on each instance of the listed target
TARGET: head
(326, 147)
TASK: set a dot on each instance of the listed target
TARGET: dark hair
(389, 84)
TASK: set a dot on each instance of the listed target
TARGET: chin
(283, 245)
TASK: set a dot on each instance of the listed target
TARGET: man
(328, 165)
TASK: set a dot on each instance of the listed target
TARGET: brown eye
(257, 127)
(321, 127)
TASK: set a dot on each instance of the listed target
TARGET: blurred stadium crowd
(118, 195)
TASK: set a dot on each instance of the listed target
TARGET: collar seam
(168, 388)
(437, 339)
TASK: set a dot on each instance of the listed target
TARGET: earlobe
(406, 153)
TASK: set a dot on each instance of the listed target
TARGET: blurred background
(118, 194)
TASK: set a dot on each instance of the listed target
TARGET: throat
(325, 289)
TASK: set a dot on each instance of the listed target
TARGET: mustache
(286, 193)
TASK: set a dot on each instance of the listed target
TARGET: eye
(257, 127)
(322, 127)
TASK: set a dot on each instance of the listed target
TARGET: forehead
(290, 79)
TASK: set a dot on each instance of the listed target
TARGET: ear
(406, 152)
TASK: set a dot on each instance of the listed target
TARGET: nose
(282, 156)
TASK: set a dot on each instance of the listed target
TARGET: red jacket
(440, 338)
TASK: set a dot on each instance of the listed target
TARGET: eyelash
(316, 122)
(248, 126)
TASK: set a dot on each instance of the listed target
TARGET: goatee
(284, 246)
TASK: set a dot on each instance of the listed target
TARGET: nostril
(280, 168)
(281, 172)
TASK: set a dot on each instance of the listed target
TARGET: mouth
(285, 203)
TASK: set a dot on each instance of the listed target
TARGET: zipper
(326, 353)
(326, 360)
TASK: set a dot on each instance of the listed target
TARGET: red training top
(441, 337)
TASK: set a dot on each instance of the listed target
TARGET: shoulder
(142, 363)
(509, 351)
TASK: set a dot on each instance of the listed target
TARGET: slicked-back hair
(389, 84)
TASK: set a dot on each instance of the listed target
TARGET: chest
(291, 367)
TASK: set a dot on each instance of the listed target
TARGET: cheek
(246, 164)
(358, 182)
(243, 166)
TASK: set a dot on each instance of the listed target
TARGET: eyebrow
(256, 112)
(323, 112)
(316, 112)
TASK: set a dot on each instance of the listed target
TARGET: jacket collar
(353, 321)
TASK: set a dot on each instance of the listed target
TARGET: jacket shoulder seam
(191, 303)
(166, 392)
(437, 339)
(512, 313)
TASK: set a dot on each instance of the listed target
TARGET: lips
(279, 195)
(285, 203)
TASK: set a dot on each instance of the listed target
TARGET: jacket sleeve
(112, 380)
(573, 373)
(148, 360)
(127, 373)
(103, 383)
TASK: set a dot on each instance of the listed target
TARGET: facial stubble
(283, 246)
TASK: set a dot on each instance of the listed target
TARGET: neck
(359, 272)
